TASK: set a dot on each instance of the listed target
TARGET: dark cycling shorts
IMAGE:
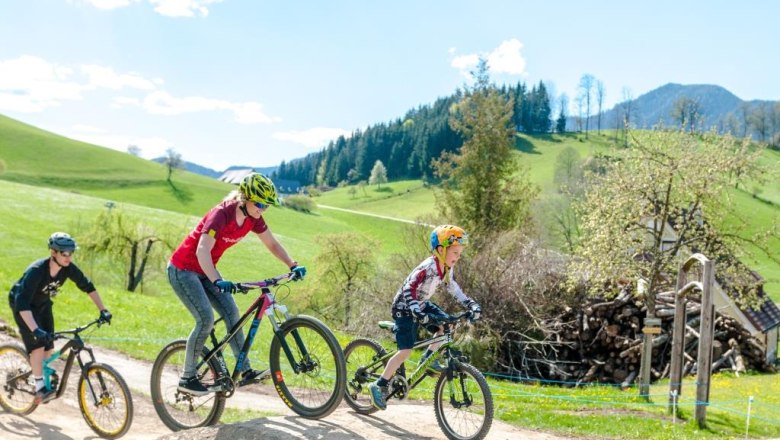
(406, 327)
(45, 319)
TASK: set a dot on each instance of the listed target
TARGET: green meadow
(51, 183)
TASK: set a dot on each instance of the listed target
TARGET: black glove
(43, 336)
(421, 317)
(476, 311)
(105, 316)
(298, 271)
(225, 286)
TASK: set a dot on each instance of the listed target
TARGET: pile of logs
(602, 342)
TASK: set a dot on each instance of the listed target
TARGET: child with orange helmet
(411, 305)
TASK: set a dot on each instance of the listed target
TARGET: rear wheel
(463, 403)
(312, 382)
(105, 401)
(17, 386)
(362, 370)
(179, 410)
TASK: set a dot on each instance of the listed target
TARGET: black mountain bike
(461, 398)
(307, 365)
(103, 395)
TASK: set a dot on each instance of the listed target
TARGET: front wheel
(179, 410)
(105, 401)
(463, 403)
(363, 368)
(17, 386)
(310, 378)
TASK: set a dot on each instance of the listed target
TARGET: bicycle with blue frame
(462, 399)
(103, 396)
(306, 363)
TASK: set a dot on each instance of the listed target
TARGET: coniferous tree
(482, 188)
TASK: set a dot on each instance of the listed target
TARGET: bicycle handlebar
(62, 334)
(270, 282)
(438, 319)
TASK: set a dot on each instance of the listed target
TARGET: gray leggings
(199, 295)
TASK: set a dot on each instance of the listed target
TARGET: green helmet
(258, 188)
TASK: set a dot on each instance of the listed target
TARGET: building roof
(235, 176)
(767, 316)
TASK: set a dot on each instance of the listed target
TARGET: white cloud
(162, 103)
(312, 138)
(182, 8)
(108, 4)
(506, 58)
(168, 8)
(31, 84)
(105, 77)
(465, 63)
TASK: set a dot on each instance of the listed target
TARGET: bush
(299, 203)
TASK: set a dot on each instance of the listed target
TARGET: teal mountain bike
(103, 395)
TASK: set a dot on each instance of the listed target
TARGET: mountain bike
(306, 362)
(103, 395)
(462, 399)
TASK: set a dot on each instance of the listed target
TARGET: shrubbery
(299, 203)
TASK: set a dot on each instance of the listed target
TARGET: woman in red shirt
(194, 277)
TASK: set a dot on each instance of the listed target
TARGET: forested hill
(407, 146)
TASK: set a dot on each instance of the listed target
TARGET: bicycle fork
(306, 364)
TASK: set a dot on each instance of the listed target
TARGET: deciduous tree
(667, 181)
(378, 174)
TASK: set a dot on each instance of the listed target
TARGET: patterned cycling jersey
(421, 284)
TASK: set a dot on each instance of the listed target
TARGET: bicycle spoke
(17, 386)
(464, 405)
(312, 384)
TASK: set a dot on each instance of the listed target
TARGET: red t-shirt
(221, 224)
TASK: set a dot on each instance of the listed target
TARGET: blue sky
(253, 82)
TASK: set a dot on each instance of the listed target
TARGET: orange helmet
(447, 235)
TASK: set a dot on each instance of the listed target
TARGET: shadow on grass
(386, 189)
(525, 146)
(180, 194)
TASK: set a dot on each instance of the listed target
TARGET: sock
(39, 383)
(382, 382)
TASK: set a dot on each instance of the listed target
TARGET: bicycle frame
(265, 304)
(73, 348)
(419, 373)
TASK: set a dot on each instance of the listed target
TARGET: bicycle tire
(315, 392)
(358, 354)
(179, 410)
(17, 386)
(478, 414)
(112, 414)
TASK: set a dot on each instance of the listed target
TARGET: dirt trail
(61, 419)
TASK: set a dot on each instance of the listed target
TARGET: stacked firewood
(602, 341)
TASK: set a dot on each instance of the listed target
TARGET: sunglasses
(462, 240)
(261, 205)
(65, 253)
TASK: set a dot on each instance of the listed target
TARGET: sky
(255, 82)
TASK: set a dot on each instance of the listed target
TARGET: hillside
(36, 157)
(719, 107)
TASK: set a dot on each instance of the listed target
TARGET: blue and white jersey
(421, 284)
